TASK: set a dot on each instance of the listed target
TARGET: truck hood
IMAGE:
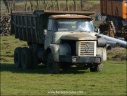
(78, 36)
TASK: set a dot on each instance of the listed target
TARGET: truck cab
(71, 41)
(61, 25)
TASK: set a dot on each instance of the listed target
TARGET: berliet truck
(58, 39)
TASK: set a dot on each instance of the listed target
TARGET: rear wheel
(35, 60)
(17, 57)
(26, 58)
(52, 66)
(96, 67)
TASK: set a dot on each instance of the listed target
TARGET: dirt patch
(119, 57)
(117, 54)
(3, 59)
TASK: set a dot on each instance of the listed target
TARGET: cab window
(50, 22)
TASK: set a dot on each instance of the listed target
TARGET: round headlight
(101, 42)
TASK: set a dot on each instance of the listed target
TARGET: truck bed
(28, 26)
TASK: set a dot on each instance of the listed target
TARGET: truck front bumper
(80, 59)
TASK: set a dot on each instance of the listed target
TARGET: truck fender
(102, 52)
(65, 49)
(62, 49)
(55, 51)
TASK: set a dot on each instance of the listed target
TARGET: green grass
(111, 81)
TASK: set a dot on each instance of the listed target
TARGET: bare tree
(31, 5)
(9, 5)
(58, 5)
(37, 4)
(74, 5)
(25, 3)
(6, 5)
(67, 5)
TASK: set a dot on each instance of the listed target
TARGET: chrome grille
(87, 48)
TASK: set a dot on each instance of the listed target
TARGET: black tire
(26, 58)
(35, 59)
(17, 57)
(65, 67)
(52, 66)
(96, 67)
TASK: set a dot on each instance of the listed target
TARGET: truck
(58, 39)
(116, 17)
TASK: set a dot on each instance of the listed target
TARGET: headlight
(101, 42)
(65, 49)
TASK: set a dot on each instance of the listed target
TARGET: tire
(26, 58)
(65, 67)
(35, 60)
(52, 66)
(96, 67)
(17, 57)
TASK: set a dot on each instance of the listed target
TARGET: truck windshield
(73, 25)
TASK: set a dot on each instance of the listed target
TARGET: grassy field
(111, 81)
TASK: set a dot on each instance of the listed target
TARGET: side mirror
(97, 30)
(45, 32)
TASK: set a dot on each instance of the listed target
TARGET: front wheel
(96, 67)
(52, 66)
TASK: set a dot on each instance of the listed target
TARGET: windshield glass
(73, 25)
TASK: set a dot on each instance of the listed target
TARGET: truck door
(49, 35)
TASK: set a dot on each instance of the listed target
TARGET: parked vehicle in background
(116, 17)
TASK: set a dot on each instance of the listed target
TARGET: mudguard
(55, 51)
(59, 49)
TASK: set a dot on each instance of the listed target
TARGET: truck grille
(87, 48)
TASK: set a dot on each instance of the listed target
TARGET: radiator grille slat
(87, 48)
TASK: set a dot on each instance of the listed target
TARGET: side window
(50, 22)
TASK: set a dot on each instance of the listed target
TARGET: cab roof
(49, 12)
(70, 16)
